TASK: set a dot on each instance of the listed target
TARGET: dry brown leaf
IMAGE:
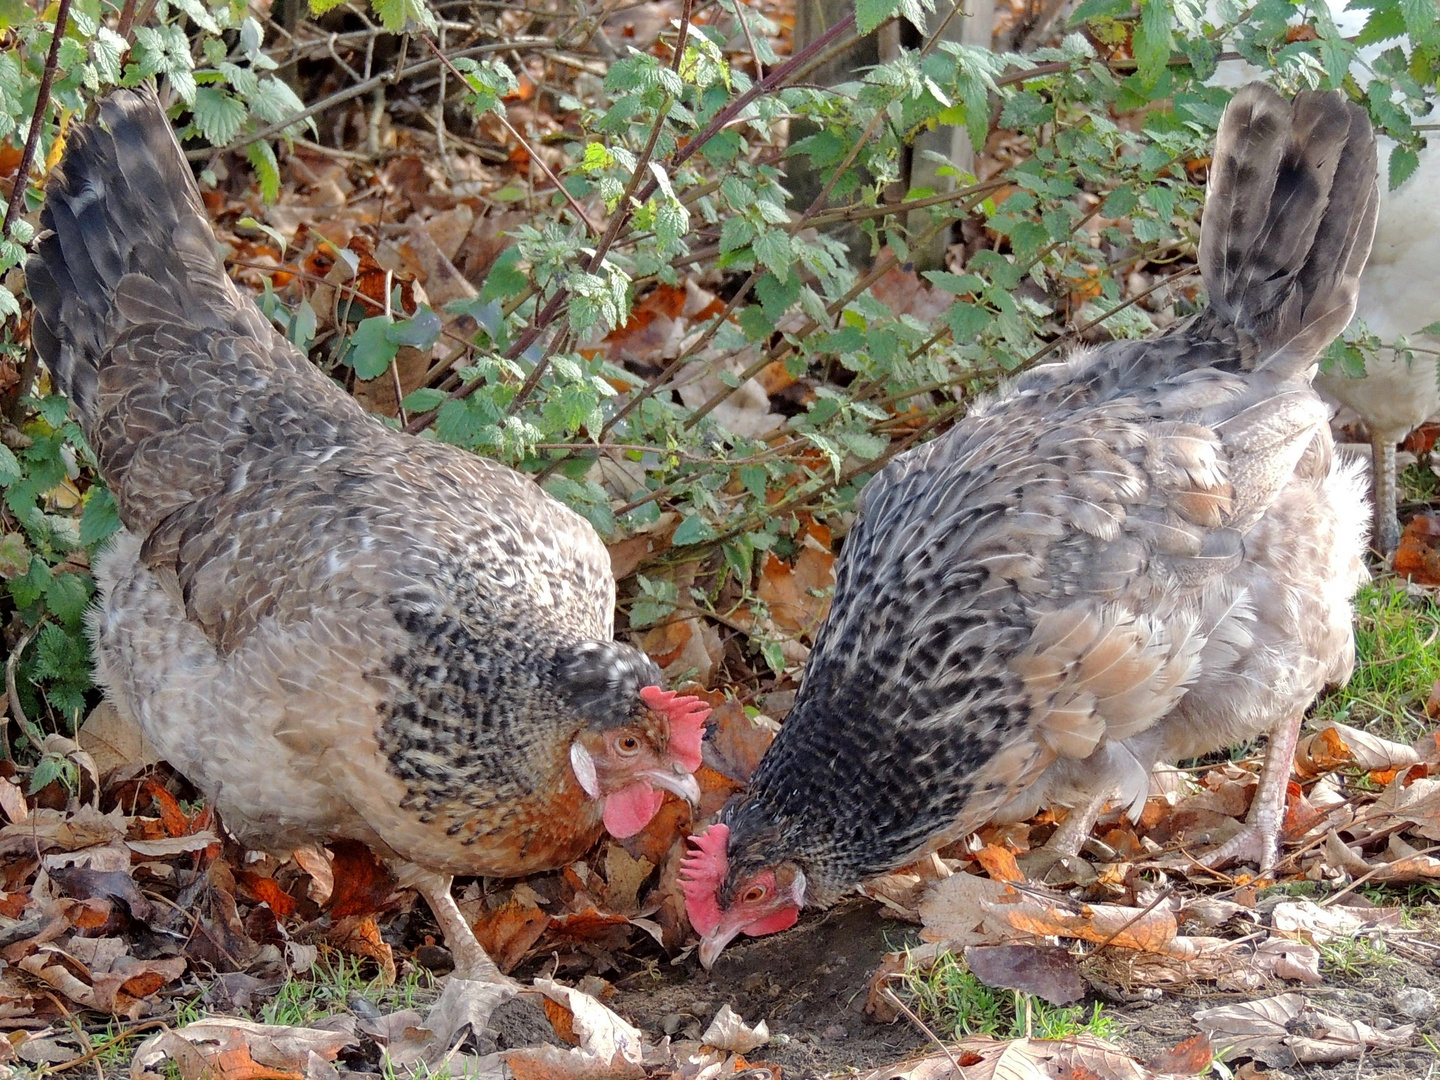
(1336, 745)
(1417, 802)
(1046, 971)
(115, 742)
(999, 863)
(175, 845)
(966, 910)
(359, 935)
(12, 802)
(230, 1049)
(608, 1047)
(1287, 1030)
(508, 932)
(1308, 921)
(739, 740)
(729, 1032)
(99, 974)
(624, 876)
(1123, 927)
(1418, 556)
(1189, 1058)
(1079, 1057)
(315, 861)
(798, 592)
(362, 885)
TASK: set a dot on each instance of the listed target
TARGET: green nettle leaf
(1403, 163)
(871, 13)
(694, 530)
(773, 249)
(396, 13)
(9, 467)
(1419, 18)
(67, 597)
(1152, 40)
(371, 348)
(100, 518)
(218, 115)
(261, 156)
(504, 281)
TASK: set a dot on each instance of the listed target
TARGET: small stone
(836, 1032)
(1415, 1002)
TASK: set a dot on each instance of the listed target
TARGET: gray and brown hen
(332, 629)
(1141, 553)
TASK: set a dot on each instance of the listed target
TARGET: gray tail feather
(1289, 218)
(122, 204)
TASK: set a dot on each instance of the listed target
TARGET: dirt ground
(809, 986)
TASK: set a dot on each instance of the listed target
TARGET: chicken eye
(627, 745)
(753, 895)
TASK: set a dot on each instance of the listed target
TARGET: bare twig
(13, 694)
(895, 1000)
(22, 177)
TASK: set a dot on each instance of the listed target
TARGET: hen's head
(748, 897)
(636, 740)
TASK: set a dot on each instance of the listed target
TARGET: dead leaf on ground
(362, 885)
(1079, 1057)
(1338, 745)
(729, 1032)
(608, 1048)
(739, 740)
(1047, 971)
(1418, 556)
(116, 743)
(966, 910)
(99, 973)
(1189, 1058)
(229, 1049)
(1107, 924)
(624, 876)
(508, 932)
(1287, 1030)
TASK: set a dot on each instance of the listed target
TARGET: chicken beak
(680, 782)
(713, 944)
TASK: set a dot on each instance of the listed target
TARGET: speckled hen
(1144, 552)
(332, 629)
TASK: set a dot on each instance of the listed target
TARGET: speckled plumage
(332, 629)
(1143, 552)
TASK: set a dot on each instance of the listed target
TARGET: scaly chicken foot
(1065, 843)
(1258, 842)
(471, 960)
(1387, 522)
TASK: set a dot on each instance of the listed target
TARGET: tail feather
(123, 215)
(1289, 218)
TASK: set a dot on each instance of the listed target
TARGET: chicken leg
(471, 960)
(1258, 842)
(1387, 522)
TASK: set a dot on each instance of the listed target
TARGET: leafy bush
(676, 169)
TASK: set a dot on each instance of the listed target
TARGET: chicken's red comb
(701, 872)
(687, 716)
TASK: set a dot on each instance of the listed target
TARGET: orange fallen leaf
(999, 863)
(266, 890)
(508, 932)
(362, 885)
(1106, 924)
(1418, 556)
(1189, 1058)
